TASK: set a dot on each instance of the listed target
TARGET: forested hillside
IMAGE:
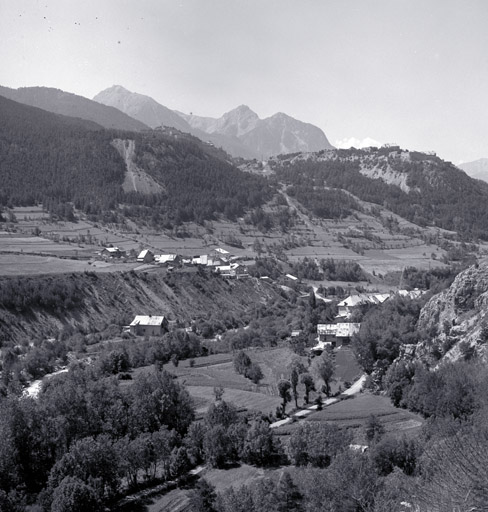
(63, 162)
(56, 160)
(419, 187)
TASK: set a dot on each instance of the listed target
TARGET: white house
(148, 325)
(232, 270)
(168, 259)
(112, 252)
(145, 256)
(347, 306)
(334, 335)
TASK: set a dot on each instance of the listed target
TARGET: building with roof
(145, 256)
(232, 270)
(148, 325)
(347, 306)
(335, 335)
(112, 252)
(167, 259)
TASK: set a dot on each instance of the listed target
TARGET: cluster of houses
(219, 260)
(341, 331)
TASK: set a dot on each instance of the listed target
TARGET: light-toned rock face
(136, 179)
(458, 314)
(388, 175)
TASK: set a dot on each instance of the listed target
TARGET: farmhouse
(232, 270)
(112, 252)
(334, 335)
(148, 325)
(208, 260)
(145, 256)
(219, 253)
(347, 306)
(168, 259)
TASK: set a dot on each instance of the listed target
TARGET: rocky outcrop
(455, 321)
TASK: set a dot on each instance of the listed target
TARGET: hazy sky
(414, 72)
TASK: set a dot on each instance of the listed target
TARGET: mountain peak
(241, 111)
(143, 108)
(118, 88)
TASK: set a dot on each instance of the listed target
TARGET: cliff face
(456, 320)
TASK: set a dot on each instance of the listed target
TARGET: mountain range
(61, 160)
(240, 132)
(478, 169)
(68, 104)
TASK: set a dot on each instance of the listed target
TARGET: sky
(367, 72)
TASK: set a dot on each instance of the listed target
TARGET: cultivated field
(353, 413)
(381, 251)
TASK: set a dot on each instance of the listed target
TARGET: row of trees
(329, 269)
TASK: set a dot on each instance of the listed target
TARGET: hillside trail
(353, 390)
(304, 218)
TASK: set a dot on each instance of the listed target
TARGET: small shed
(148, 325)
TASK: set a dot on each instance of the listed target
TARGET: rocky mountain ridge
(141, 107)
(478, 169)
(240, 131)
(456, 320)
(278, 134)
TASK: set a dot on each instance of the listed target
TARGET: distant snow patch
(352, 142)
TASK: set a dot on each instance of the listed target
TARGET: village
(218, 260)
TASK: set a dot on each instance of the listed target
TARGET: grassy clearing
(248, 400)
(236, 477)
(218, 370)
(174, 501)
